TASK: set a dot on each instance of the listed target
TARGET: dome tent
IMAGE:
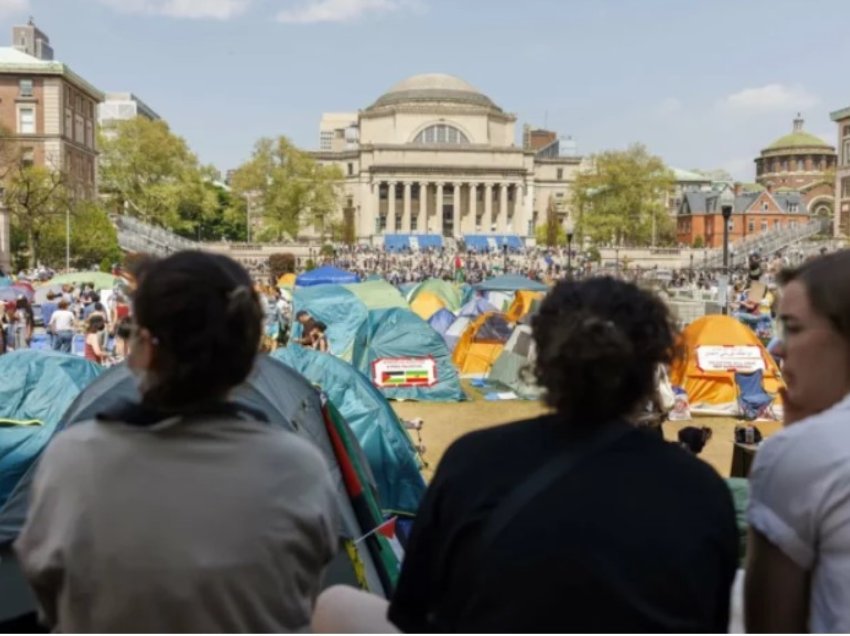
(326, 275)
(482, 343)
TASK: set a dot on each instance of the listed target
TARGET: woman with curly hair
(577, 521)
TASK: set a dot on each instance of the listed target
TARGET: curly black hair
(599, 342)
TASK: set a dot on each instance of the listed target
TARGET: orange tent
(426, 305)
(523, 304)
(713, 348)
(482, 343)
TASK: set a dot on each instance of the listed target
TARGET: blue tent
(392, 456)
(35, 389)
(5, 281)
(326, 275)
(511, 283)
(441, 321)
(476, 307)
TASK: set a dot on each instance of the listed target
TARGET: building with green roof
(800, 161)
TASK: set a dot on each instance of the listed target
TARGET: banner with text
(741, 358)
(403, 372)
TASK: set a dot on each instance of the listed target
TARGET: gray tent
(289, 401)
(513, 366)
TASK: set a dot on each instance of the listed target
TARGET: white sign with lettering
(741, 358)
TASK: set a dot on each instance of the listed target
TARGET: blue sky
(701, 83)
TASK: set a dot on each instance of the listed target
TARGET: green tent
(446, 291)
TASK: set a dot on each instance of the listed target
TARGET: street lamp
(570, 229)
(505, 253)
(727, 201)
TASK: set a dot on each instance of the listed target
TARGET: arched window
(441, 134)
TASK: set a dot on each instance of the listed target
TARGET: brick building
(48, 115)
(842, 173)
(803, 162)
(753, 212)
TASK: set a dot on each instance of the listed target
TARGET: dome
(434, 87)
(799, 138)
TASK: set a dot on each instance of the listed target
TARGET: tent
(511, 283)
(391, 455)
(369, 324)
(35, 389)
(291, 403)
(449, 294)
(514, 365)
(326, 275)
(481, 344)
(715, 348)
(524, 303)
(426, 305)
(441, 321)
(286, 280)
(471, 310)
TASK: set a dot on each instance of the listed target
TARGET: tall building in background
(121, 106)
(842, 173)
(338, 132)
(48, 113)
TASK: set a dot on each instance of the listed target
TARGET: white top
(62, 320)
(800, 501)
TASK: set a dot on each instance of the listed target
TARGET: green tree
(93, 238)
(699, 242)
(287, 189)
(622, 198)
(149, 172)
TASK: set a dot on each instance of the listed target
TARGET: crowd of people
(573, 521)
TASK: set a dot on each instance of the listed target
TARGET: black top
(641, 537)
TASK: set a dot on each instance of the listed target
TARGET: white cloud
(771, 97)
(11, 7)
(188, 9)
(669, 106)
(342, 10)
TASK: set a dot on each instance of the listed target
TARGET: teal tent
(511, 283)
(35, 389)
(326, 275)
(391, 455)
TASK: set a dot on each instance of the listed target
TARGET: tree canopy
(285, 189)
(621, 199)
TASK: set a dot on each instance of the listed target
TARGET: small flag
(387, 530)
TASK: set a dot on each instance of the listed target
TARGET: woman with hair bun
(577, 521)
(183, 512)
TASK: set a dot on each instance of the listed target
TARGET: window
(326, 140)
(765, 207)
(89, 134)
(350, 169)
(79, 103)
(559, 195)
(442, 134)
(26, 120)
(68, 96)
(27, 157)
(793, 207)
(846, 131)
(414, 222)
(26, 87)
(79, 130)
(784, 165)
(777, 224)
(560, 174)
(382, 222)
(801, 165)
(69, 123)
(846, 159)
(845, 187)
(764, 226)
(751, 226)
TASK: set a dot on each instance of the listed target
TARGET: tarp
(511, 283)
(476, 307)
(481, 344)
(514, 366)
(524, 302)
(715, 392)
(449, 293)
(426, 305)
(35, 386)
(441, 321)
(291, 403)
(326, 275)
(392, 456)
(492, 242)
(396, 242)
(356, 335)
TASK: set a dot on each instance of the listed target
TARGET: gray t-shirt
(202, 525)
(800, 501)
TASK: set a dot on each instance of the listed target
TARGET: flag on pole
(388, 531)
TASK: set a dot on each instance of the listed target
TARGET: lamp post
(505, 254)
(727, 201)
(570, 229)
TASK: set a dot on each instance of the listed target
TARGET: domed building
(434, 158)
(801, 162)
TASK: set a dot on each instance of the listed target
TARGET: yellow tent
(712, 349)
(426, 305)
(286, 280)
(482, 343)
(523, 303)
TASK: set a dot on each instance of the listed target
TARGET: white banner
(404, 372)
(741, 358)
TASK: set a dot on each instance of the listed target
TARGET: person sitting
(306, 321)
(184, 511)
(319, 341)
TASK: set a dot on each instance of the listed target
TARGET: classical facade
(48, 112)
(434, 158)
(801, 162)
(842, 173)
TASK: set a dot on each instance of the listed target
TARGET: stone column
(405, 219)
(488, 208)
(391, 208)
(516, 226)
(456, 211)
(423, 208)
(503, 207)
(528, 209)
(473, 204)
(439, 209)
